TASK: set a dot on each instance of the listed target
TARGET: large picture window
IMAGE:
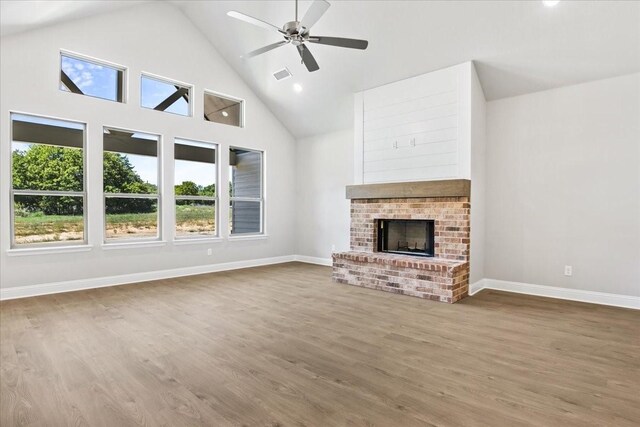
(131, 182)
(47, 181)
(92, 78)
(246, 188)
(195, 188)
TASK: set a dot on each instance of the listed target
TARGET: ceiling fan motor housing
(295, 33)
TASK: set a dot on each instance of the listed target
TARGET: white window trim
(51, 250)
(247, 236)
(198, 241)
(138, 243)
(55, 246)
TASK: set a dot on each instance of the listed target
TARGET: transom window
(165, 95)
(130, 180)
(92, 78)
(245, 185)
(195, 188)
(48, 193)
(222, 109)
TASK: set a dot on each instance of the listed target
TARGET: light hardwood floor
(284, 346)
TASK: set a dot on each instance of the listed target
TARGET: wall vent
(282, 74)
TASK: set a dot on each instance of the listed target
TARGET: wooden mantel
(398, 190)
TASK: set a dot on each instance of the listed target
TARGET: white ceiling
(18, 15)
(518, 46)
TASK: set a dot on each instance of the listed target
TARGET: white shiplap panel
(413, 104)
(410, 129)
(412, 117)
(429, 137)
(411, 88)
(439, 123)
(410, 161)
(406, 175)
(406, 151)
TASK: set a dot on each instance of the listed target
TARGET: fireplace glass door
(408, 237)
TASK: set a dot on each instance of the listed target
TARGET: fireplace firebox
(406, 236)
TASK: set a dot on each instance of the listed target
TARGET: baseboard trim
(603, 298)
(314, 260)
(101, 282)
(593, 297)
(476, 287)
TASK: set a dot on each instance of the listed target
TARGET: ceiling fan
(297, 33)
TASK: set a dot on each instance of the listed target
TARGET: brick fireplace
(443, 277)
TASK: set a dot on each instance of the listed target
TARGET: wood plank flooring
(284, 346)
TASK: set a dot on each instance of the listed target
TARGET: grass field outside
(40, 228)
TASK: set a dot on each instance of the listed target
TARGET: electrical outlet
(209, 251)
(333, 248)
(568, 271)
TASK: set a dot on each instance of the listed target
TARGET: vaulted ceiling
(518, 47)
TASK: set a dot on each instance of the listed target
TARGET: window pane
(42, 219)
(131, 218)
(245, 217)
(195, 179)
(165, 96)
(195, 218)
(46, 154)
(46, 167)
(195, 168)
(245, 173)
(130, 163)
(91, 78)
(222, 110)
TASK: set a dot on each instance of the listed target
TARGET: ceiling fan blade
(315, 12)
(339, 41)
(252, 20)
(265, 49)
(307, 58)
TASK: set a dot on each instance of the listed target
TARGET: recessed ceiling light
(297, 87)
(224, 113)
(550, 3)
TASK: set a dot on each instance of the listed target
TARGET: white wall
(563, 187)
(154, 38)
(324, 167)
(477, 152)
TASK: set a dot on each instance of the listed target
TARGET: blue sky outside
(92, 79)
(153, 92)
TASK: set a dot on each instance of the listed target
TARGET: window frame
(86, 58)
(261, 199)
(172, 82)
(242, 102)
(215, 199)
(12, 192)
(159, 156)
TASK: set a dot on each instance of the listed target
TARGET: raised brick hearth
(436, 279)
(444, 277)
